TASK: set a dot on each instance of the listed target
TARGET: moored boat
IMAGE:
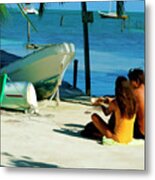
(28, 9)
(31, 11)
(119, 13)
(112, 15)
(44, 68)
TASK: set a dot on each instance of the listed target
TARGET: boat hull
(112, 16)
(48, 87)
(44, 68)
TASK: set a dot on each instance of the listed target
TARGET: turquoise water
(112, 52)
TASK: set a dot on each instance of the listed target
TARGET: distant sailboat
(119, 14)
(28, 9)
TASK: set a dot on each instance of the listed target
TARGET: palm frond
(3, 12)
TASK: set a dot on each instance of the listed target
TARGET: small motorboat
(44, 67)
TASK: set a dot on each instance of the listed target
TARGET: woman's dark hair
(137, 75)
(125, 98)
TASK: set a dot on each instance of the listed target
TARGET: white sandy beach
(52, 139)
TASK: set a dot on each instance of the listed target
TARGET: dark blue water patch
(104, 82)
(101, 82)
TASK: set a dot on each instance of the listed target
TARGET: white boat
(44, 68)
(112, 14)
(28, 9)
(31, 11)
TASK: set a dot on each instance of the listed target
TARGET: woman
(124, 109)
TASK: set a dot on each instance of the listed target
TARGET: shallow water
(112, 52)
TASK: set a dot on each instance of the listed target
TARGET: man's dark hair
(136, 75)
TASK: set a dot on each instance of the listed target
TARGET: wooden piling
(61, 20)
(75, 73)
(28, 32)
(86, 48)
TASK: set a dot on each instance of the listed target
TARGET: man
(137, 81)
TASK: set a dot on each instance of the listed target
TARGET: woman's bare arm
(108, 110)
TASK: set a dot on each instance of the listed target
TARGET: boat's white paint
(30, 11)
(41, 64)
(44, 67)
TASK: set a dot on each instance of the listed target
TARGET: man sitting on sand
(136, 77)
(124, 109)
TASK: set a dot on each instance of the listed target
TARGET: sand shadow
(74, 125)
(76, 133)
(6, 154)
(26, 161)
(32, 164)
(71, 130)
(68, 132)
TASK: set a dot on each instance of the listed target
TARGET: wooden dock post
(75, 73)
(86, 48)
(28, 32)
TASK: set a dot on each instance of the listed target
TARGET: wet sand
(52, 139)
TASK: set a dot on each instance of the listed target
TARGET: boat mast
(110, 6)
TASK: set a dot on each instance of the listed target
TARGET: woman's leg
(90, 131)
(111, 122)
(101, 126)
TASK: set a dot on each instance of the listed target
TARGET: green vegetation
(4, 12)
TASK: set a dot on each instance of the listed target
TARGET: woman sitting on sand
(124, 109)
